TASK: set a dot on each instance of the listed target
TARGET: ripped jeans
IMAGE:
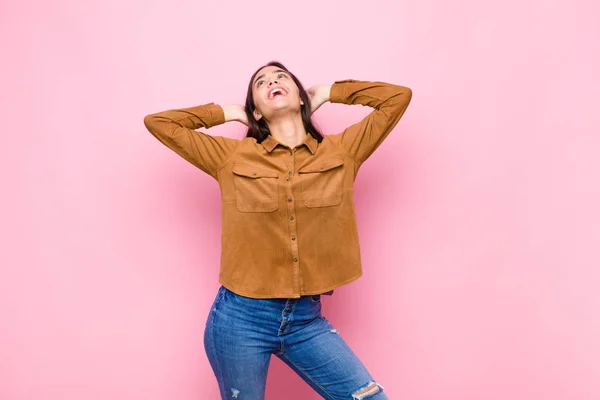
(241, 334)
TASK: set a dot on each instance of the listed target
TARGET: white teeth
(275, 91)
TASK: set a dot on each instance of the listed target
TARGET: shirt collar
(270, 143)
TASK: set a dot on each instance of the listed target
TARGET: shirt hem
(287, 296)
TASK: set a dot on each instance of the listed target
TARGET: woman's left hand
(318, 95)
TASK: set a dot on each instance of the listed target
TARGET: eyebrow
(262, 76)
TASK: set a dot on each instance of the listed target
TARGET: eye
(259, 83)
(281, 74)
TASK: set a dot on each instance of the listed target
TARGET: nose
(272, 81)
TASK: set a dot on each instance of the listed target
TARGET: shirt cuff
(210, 114)
(338, 93)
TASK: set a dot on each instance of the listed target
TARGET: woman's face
(274, 91)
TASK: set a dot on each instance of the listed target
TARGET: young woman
(289, 229)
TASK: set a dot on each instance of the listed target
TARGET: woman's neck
(288, 130)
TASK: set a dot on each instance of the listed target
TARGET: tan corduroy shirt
(289, 227)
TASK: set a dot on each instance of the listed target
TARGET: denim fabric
(241, 334)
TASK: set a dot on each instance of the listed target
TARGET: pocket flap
(323, 165)
(252, 171)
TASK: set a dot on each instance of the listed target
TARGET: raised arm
(176, 130)
(389, 102)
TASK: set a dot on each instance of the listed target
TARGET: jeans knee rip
(234, 393)
(370, 389)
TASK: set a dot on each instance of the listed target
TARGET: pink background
(479, 216)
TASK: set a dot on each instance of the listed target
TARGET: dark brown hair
(259, 129)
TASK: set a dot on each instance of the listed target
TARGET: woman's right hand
(318, 95)
(236, 112)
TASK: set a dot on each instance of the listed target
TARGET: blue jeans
(242, 332)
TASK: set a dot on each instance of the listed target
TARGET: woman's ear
(257, 115)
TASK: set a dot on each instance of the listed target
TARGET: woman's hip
(233, 312)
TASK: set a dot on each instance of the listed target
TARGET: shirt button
(292, 218)
(295, 259)
(287, 179)
(289, 172)
(293, 237)
(289, 199)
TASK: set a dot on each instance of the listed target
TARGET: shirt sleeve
(389, 102)
(176, 130)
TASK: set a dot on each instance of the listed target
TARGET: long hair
(259, 129)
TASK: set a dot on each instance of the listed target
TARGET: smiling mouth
(276, 93)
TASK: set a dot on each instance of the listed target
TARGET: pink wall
(478, 216)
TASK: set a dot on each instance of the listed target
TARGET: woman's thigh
(325, 361)
(239, 353)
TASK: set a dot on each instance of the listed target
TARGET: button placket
(286, 316)
(292, 227)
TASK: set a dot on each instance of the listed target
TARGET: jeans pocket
(218, 298)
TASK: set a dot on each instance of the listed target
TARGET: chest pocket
(322, 182)
(255, 188)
